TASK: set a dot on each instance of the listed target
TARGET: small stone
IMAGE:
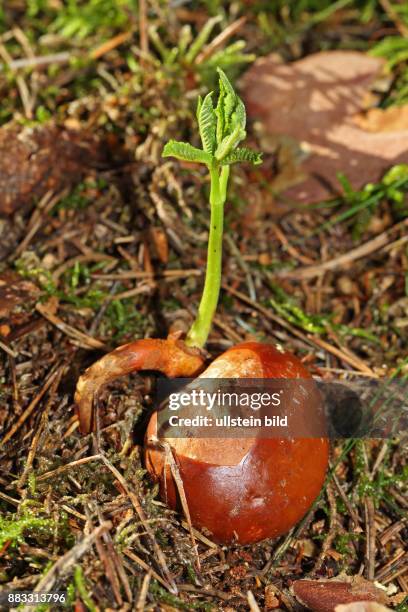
(49, 261)
(264, 259)
(346, 286)
(5, 330)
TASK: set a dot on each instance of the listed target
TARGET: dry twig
(30, 409)
(376, 244)
(141, 514)
(67, 561)
(141, 602)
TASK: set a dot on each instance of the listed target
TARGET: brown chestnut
(246, 489)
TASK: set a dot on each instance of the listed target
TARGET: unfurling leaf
(242, 154)
(231, 118)
(227, 101)
(225, 106)
(221, 130)
(229, 143)
(207, 123)
(239, 115)
(199, 105)
(186, 152)
(201, 39)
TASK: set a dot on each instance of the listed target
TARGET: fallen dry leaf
(11, 230)
(313, 103)
(324, 595)
(17, 299)
(36, 160)
(362, 606)
(392, 119)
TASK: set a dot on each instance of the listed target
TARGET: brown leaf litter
(324, 595)
(46, 158)
(309, 108)
(16, 296)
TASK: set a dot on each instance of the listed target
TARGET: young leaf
(158, 44)
(201, 39)
(220, 129)
(231, 117)
(207, 122)
(227, 100)
(184, 39)
(242, 154)
(229, 142)
(239, 115)
(186, 152)
(230, 56)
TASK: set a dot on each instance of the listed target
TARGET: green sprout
(221, 129)
(188, 52)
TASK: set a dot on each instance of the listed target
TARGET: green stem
(199, 331)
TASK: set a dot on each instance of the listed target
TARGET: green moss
(343, 542)
(81, 196)
(360, 205)
(29, 266)
(287, 307)
(14, 530)
(79, 274)
(122, 320)
(403, 606)
(377, 488)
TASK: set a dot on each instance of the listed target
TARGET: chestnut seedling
(238, 489)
